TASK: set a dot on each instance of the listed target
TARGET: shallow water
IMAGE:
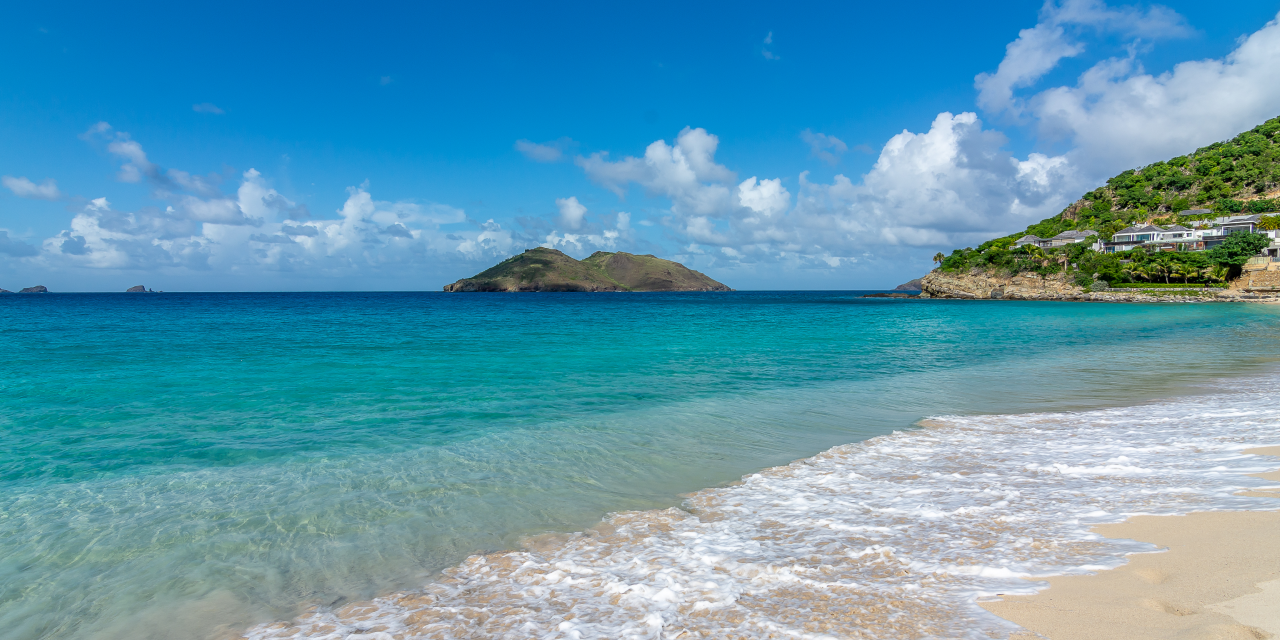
(180, 465)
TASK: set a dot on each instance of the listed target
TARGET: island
(36, 289)
(543, 269)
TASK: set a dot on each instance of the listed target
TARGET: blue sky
(403, 146)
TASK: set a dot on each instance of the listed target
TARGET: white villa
(1180, 238)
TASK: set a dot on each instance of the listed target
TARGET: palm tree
(1214, 273)
(1159, 269)
(1137, 271)
(1184, 271)
(938, 257)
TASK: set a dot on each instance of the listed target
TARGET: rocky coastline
(980, 285)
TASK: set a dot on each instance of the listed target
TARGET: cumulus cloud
(824, 147)
(252, 228)
(364, 235)
(553, 151)
(571, 212)
(686, 172)
(25, 188)
(1039, 49)
(207, 107)
(600, 239)
(953, 184)
(1118, 117)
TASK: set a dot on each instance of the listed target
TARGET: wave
(899, 536)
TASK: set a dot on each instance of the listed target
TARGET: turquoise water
(179, 465)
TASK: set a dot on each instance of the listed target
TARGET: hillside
(542, 269)
(1241, 175)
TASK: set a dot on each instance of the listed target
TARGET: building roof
(1030, 238)
(1177, 227)
(1071, 235)
(1196, 212)
(1143, 229)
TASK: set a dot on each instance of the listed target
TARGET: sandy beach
(1218, 579)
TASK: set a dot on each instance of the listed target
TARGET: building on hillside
(1227, 225)
(1068, 237)
(1060, 240)
(1132, 237)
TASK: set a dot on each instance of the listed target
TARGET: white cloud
(250, 232)
(207, 107)
(553, 151)
(24, 188)
(571, 211)
(824, 147)
(951, 184)
(685, 172)
(1039, 49)
(1118, 117)
(767, 198)
(607, 239)
(766, 52)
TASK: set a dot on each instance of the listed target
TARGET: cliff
(543, 269)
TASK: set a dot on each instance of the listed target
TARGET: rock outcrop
(914, 285)
(542, 269)
(5, 291)
(980, 285)
(36, 289)
(137, 289)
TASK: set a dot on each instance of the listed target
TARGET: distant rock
(36, 289)
(914, 285)
(543, 269)
(5, 291)
(891, 295)
(137, 289)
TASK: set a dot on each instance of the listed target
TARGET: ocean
(751, 464)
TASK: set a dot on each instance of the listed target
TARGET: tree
(1184, 270)
(1238, 248)
(1269, 223)
(938, 257)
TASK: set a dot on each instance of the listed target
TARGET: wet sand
(1218, 579)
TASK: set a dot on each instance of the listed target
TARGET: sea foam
(896, 537)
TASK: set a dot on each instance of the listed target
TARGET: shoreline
(899, 536)
(977, 285)
(1217, 575)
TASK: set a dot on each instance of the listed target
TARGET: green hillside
(1241, 175)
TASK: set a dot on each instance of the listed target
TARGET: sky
(402, 146)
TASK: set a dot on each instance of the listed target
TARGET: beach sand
(1218, 579)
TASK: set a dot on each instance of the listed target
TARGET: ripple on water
(895, 537)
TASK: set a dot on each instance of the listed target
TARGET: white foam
(891, 538)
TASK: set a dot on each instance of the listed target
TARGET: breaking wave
(899, 536)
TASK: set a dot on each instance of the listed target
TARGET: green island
(1205, 220)
(543, 269)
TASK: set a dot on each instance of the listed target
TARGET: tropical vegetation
(1224, 178)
